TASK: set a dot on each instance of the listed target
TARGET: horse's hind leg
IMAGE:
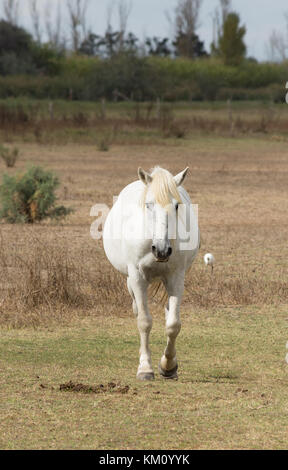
(134, 305)
(168, 364)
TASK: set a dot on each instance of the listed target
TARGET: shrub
(104, 142)
(30, 197)
(11, 64)
(141, 79)
(9, 155)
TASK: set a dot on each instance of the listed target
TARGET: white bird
(209, 260)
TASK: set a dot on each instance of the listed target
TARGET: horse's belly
(112, 243)
(122, 236)
(113, 251)
(113, 246)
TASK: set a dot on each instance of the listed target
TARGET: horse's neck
(132, 193)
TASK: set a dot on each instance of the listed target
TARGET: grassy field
(232, 387)
(231, 392)
(129, 123)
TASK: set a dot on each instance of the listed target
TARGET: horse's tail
(157, 292)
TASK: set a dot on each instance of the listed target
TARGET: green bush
(142, 79)
(11, 64)
(10, 156)
(122, 77)
(30, 197)
(204, 78)
(30, 86)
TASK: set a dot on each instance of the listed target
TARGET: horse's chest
(155, 270)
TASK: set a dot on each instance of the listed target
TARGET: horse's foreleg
(168, 365)
(134, 305)
(144, 322)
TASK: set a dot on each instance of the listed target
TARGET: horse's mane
(163, 187)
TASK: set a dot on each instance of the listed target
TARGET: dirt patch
(101, 388)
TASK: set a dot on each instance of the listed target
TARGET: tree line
(58, 59)
(50, 36)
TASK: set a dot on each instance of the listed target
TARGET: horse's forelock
(163, 187)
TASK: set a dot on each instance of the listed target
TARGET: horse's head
(161, 199)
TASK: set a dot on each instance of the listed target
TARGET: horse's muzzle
(162, 255)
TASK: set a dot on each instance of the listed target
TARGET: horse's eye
(149, 205)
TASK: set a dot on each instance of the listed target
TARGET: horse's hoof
(145, 376)
(168, 374)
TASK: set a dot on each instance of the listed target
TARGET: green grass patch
(231, 392)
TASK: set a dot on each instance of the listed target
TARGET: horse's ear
(144, 176)
(181, 177)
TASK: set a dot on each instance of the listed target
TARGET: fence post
(103, 108)
(230, 117)
(158, 108)
(51, 110)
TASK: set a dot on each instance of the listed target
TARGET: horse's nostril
(169, 251)
(153, 248)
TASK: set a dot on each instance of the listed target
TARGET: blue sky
(261, 17)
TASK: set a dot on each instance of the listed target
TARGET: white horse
(151, 234)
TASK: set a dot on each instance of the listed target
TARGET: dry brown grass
(235, 287)
(138, 123)
(57, 270)
(48, 282)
